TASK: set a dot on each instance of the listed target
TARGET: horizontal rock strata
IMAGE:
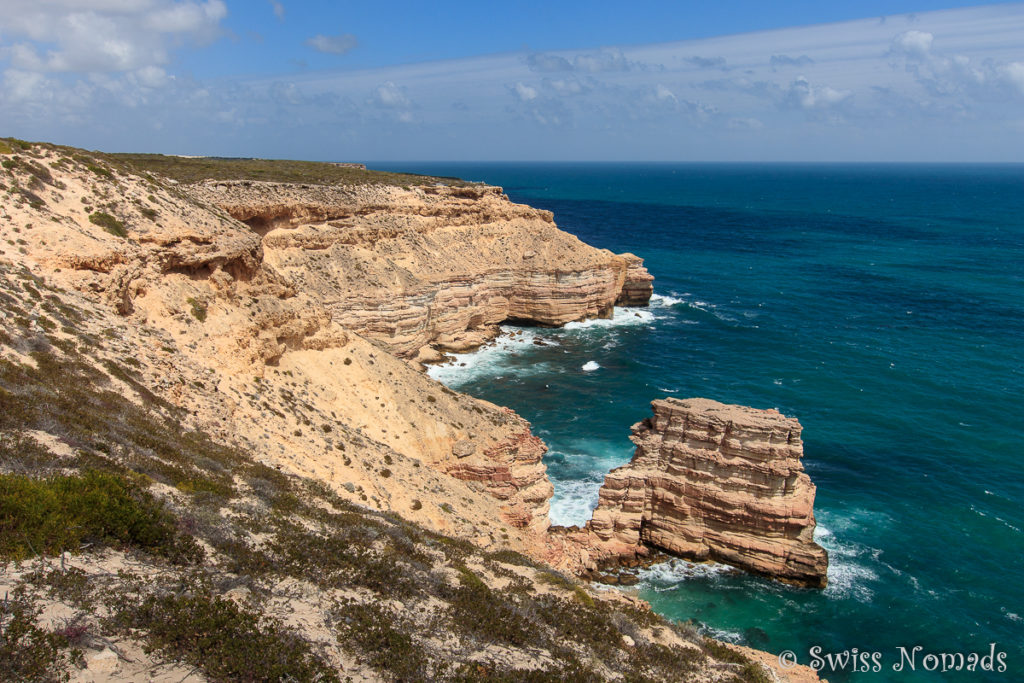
(715, 481)
(638, 285)
(438, 266)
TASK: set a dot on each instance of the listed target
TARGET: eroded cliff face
(286, 348)
(438, 266)
(714, 481)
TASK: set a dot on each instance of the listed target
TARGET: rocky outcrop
(439, 266)
(638, 285)
(715, 481)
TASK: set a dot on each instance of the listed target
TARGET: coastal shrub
(34, 200)
(224, 641)
(61, 513)
(753, 672)
(27, 652)
(653, 662)
(100, 171)
(198, 309)
(722, 652)
(108, 223)
(478, 611)
(370, 631)
(5, 148)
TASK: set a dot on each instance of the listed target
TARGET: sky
(736, 80)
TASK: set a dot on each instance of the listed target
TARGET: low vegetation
(108, 223)
(197, 169)
(93, 509)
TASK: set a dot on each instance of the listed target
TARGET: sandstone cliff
(244, 300)
(715, 481)
(436, 265)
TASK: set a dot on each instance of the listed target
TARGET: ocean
(883, 306)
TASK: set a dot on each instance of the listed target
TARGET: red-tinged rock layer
(438, 266)
(511, 471)
(715, 481)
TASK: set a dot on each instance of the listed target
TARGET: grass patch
(108, 223)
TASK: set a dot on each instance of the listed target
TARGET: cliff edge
(432, 266)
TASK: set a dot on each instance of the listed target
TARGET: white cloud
(607, 59)
(390, 95)
(663, 93)
(896, 86)
(278, 9)
(334, 45)
(91, 36)
(748, 123)
(1014, 74)
(151, 77)
(524, 92)
(915, 43)
(802, 93)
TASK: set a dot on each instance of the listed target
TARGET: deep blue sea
(883, 306)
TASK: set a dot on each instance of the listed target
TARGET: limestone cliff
(715, 481)
(436, 265)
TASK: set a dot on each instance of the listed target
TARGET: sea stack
(719, 482)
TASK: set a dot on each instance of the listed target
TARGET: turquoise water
(881, 305)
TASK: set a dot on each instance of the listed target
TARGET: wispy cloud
(938, 85)
(335, 45)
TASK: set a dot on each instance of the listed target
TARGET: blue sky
(566, 80)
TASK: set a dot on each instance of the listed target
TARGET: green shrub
(60, 513)
(100, 171)
(5, 148)
(369, 630)
(27, 652)
(223, 640)
(108, 223)
(198, 309)
(723, 653)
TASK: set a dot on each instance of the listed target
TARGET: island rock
(710, 481)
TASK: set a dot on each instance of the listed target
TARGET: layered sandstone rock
(275, 334)
(440, 266)
(715, 481)
(638, 285)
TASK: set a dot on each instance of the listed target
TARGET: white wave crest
(665, 575)
(590, 366)
(848, 571)
(664, 301)
(491, 359)
(621, 317)
(574, 501)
